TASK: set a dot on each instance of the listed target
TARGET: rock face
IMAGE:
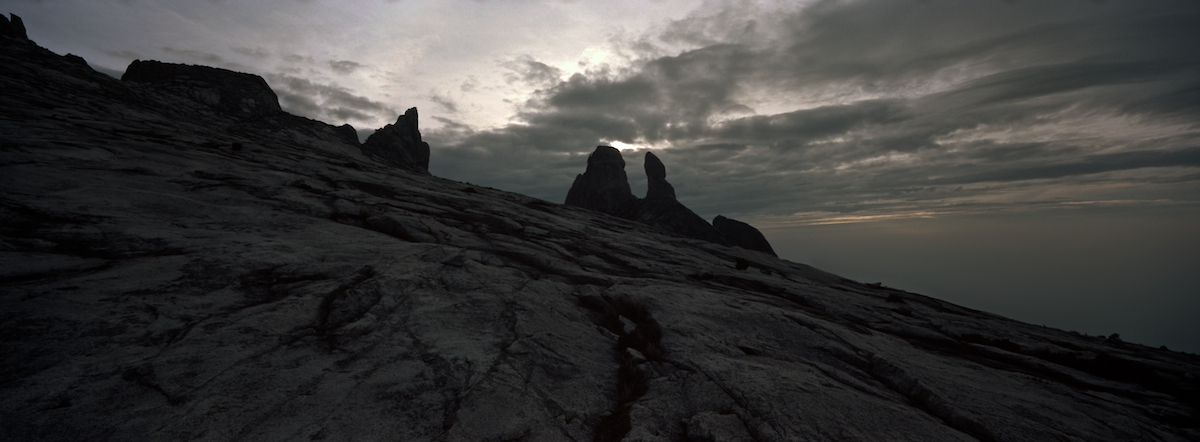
(159, 284)
(657, 187)
(348, 133)
(400, 144)
(743, 235)
(603, 187)
(234, 93)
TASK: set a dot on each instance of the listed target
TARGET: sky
(1034, 159)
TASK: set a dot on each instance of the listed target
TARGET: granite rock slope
(170, 272)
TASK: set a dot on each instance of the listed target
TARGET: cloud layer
(875, 108)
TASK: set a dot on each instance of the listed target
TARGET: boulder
(743, 235)
(603, 187)
(228, 92)
(400, 144)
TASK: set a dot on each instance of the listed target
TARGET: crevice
(924, 399)
(345, 305)
(635, 347)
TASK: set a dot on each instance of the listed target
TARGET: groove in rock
(646, 340)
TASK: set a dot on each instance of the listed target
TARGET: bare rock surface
(160, 284)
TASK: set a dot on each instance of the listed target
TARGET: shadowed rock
(14, 28)
(657, 187)
(347, 131)
(672, 216)
(603, 187)
(233, 93)
(743, 235)
(400, 144)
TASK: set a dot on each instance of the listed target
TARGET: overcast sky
(1037, 159)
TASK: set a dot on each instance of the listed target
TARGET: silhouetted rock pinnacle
(657, 186)
(14, 28)
(743, 235)
(234, 93)
(603, 186)
(400, 144)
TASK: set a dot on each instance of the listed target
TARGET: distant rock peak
(657, 186)
(13, 27)
(603, 187)
(233, 93)
(400, 144)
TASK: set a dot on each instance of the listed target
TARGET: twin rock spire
(604, 187)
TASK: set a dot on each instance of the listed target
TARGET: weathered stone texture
(157, 284)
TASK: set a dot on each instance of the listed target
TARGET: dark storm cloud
(344, 67)
(447, 104)
(1090, 164)
(531, 72)
(899, 104)
(251, 52)
(326, 102)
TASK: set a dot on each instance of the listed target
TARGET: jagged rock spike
(399, 144)
(657, 186)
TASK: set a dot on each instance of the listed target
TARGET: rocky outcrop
(348, 133)
(743, 235)
(12, 28)
(662, 210)
(159, 284)
(400, 144)
(603, 186)
(233, 93)
(657, 187)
